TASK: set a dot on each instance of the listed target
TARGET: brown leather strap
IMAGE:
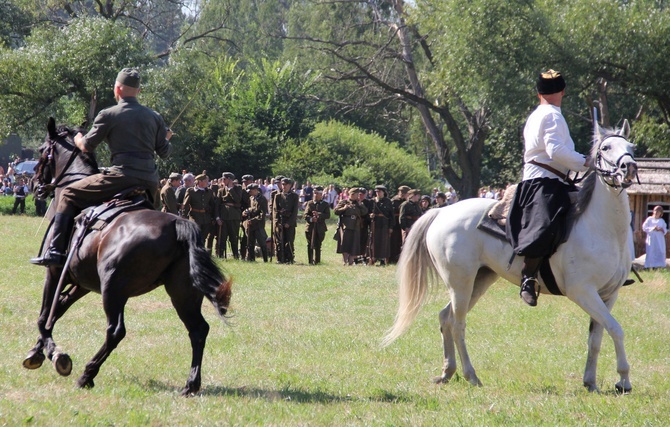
(198, 210)
(558, 173)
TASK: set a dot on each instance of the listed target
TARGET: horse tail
(205, 274)
(415, 273)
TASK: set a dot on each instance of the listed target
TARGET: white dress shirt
(548, 141)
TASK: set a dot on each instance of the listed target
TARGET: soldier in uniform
(246, 203)
(410, 211)
(317, 211)
(201, 206)
(396, 231)
(134, 134)
(284, 221)
(440, 200)
(189, 181)
(351, 213)
(382, 218)
(424, 204)
(254, 222)
(366, 243)
(230, 202)
(168, 196)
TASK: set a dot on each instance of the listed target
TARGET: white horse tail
(415, 273)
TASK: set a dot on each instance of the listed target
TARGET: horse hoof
(33, 360)
(188, 392)
(62, 363)
(84, 383)
(621, 390)
(441, 379)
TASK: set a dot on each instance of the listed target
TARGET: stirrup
(529, 291)
(50, 258)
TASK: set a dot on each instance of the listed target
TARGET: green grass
(303, 349)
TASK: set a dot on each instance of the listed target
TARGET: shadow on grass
(288, 394)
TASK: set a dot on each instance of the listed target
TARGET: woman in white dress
(655, 227)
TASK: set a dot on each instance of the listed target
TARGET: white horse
(589, 267)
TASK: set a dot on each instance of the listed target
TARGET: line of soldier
(368, 230)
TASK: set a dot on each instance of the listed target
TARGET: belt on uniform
(550, 169)
(380, 215)
(233, 205)
(411, 217)
(198, 210)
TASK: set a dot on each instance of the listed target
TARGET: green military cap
(403, 189)
(278, 178)
(253, 187)
(129, 77)
(228, 175)
(441, 196)
(201, 177)
(426, 197)
(415, 192)
(380, 187)
(286, 181)
(353, 191)
(175, 175)
(318, 189)
(247, 177)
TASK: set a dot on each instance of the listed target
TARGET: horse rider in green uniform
(134, 134)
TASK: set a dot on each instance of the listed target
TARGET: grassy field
(303, 349)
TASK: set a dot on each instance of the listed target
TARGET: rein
(48, 188)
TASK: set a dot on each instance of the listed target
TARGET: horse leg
(116, 331)
(599, 311)
(187, 301)
(449, 366)
(451, 328)
(61, 361)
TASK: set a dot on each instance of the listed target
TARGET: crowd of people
(16, 185)
(371, 226)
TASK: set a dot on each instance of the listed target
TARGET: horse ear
(625, 129)
(51, 127)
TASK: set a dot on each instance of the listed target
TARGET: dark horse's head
(60, 162)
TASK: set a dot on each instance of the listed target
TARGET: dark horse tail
(205, 274)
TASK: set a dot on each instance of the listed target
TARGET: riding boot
(317, 256)
(60, 237)
(310, 255)
(264, 252)
(529, 284)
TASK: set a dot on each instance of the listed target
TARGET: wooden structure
(653, 190)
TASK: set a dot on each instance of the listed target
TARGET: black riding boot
(317, 256)
(60, 237)
(264, 251)
(529, 285)
(310, 254)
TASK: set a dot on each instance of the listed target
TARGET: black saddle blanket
(491, 226)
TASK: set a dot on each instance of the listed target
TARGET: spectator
(20, 192)
(656, 228)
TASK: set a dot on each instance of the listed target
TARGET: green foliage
(347, 156)
(651, 136)
(59, 71)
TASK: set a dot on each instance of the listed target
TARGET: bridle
(45, 189)
(609, 170)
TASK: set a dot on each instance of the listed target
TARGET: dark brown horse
(136, 253)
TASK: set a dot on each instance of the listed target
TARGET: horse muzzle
(630, 174)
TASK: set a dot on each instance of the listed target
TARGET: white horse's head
(613, 157)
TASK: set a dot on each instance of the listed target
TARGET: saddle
(98, 217)
(494, 222)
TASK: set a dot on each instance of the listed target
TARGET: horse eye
(606, 147)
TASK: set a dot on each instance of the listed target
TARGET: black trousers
(537, 219)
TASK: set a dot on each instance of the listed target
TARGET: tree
(64, 72)
(347, 156)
